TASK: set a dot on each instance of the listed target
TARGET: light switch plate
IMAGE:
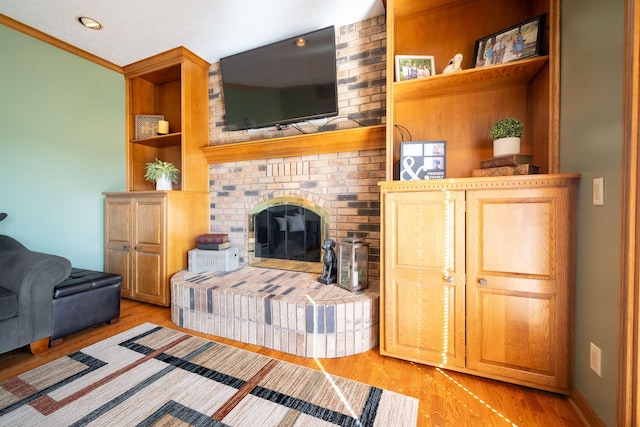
(595, 359)
(598, 191)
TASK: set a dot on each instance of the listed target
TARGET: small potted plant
(506, 134)
(162, 173)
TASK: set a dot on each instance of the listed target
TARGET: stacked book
(213, 242)
(510, 164)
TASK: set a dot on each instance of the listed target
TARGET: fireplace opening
(287, 233)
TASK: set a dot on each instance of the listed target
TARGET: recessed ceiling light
(89, 22)
(301, 42)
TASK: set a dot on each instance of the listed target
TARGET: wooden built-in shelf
(471, 80)
(345, 140)
(160, 141)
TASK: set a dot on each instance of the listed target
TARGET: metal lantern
(353, 264)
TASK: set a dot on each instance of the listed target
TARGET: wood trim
(25, 29)
(583, 409)
(171, 59)
(339, 141)
(553, 150)
(477, 183)
(628, 377)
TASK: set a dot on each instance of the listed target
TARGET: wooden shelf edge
(338, 141)
(470, 80)
(160, 141)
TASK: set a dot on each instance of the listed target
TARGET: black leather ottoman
(84, 299)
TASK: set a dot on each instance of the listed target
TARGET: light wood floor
(446, 398)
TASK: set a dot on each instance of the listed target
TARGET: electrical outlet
(598, 191)
(595, 359)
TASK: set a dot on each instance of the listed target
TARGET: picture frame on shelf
(422, 160)
(521, 41)
(409, 67)
(147, 125)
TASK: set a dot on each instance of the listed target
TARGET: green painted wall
(62, 133)
(591, 143)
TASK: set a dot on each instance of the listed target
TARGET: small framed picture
(410, 67)
(518, 42)
(423, 160)
(147, 125)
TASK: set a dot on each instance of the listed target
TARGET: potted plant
(506, 134)
(162, 173)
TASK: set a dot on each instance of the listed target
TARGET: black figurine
(330, 263)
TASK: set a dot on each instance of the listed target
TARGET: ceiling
(136, 29)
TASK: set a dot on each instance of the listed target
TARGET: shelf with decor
(461, 106)
(471, 80)
(171, 86)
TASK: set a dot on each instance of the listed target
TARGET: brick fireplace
(342, 184)
(345, 185)
(289, 310)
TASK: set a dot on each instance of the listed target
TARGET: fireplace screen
(288, 232)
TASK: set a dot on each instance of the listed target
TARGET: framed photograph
(147, 125)
(518, 42)
(409, 67)
(422, 160)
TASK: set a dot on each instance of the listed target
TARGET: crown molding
(32, 32)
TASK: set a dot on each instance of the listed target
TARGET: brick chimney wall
(344, 184)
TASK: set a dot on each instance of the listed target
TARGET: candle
(163, 127)
(354, 275)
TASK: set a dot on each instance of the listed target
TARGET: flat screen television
(282, 82)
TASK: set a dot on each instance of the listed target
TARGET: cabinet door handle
(483, 282)
(448, 279)
(135, 248)
(125, 247)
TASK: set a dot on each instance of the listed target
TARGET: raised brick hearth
(283, 310)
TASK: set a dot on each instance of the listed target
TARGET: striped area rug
(151, 375)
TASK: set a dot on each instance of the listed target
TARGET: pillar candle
(163, 127)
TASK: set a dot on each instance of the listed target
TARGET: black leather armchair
(27, 281)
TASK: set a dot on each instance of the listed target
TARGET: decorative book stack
(213, 253)
(213, 242)
(511, 164)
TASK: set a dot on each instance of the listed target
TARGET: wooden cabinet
(461, 107)
(478, 276)
(424, 266)
(173, 84)
(147, 237)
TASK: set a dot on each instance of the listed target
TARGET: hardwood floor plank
(446, 398)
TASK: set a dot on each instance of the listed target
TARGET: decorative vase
(505, 146)
(163, 183)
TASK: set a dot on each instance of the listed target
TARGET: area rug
(151, 375)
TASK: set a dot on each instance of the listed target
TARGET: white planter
(163, 183)
(504, 146)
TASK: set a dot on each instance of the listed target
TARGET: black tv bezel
(289, 120)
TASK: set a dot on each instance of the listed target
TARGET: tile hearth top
(273, 283)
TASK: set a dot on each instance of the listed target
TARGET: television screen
(284, 82)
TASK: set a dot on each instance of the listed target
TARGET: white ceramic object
(163, 183)
(505, 146)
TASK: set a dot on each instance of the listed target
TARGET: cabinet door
(517, 284)
(423, 289)
(149, 254)
(119, 240)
